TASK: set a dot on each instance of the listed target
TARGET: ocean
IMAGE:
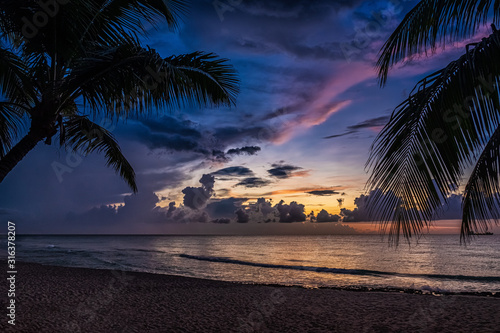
(437, 263)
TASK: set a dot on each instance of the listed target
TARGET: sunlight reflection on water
(354, 260)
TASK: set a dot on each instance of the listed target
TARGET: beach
(62, 299)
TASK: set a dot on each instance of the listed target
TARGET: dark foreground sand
(57, 299)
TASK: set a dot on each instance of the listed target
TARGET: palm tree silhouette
(449, 123)
(63, 63)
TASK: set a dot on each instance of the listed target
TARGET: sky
(296, 142)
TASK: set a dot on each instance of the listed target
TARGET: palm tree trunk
(17, 153)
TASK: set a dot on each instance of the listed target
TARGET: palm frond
(131, 78)
(213, 81)
(130, 14)
(15, 82)
(433, 136)
(482, 193)
(85, 136)
(11, 125)
(111, 22)
(75, 26)
(431, 22)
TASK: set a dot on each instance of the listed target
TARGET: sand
(59, 299)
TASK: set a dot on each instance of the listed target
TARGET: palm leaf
(434, 135)
(431, 22)
(211, 79)
(482, 193)
(11, 125)
(85, 136)
(131, 78)
(15, 82)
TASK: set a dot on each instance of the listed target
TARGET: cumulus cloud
(242, 216)
(143, 210)
(137, 210)
(294, 212)
(263, 211)
(252, 182)
(449, 211)
(360, 212)
(196, 197)
(324, 216)
(224, 208)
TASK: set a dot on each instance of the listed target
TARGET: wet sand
(59, 299)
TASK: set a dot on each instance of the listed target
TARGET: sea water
(434, 263)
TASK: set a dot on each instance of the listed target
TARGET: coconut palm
(66, 66)
(447, 127)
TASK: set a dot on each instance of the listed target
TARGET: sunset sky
(307, 73)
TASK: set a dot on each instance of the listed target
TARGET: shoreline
(494, 294)
(64, 299)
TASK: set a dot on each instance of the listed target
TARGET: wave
(141, 250)
(341, 270)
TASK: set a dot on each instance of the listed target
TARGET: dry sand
(58, 299)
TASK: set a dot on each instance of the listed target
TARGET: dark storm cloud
(250, 150)
(170, 134)
(236, 171)
(252, 182)
(138, 214)
(196, 197)
(324, 216)
(87, 183)
(166, 140)
(263, 211)
(323, 51)
(256, 31)
(323, 192)
(172, 125)
(224, 208)
(233, 135)
(273, 21)
(160, 181)
(360, 212)
(256, 36)
(282, 171)
(221, 221)
(242, 216)
(449, 211)
(294, 212)
(370, 123)
(267, 6)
